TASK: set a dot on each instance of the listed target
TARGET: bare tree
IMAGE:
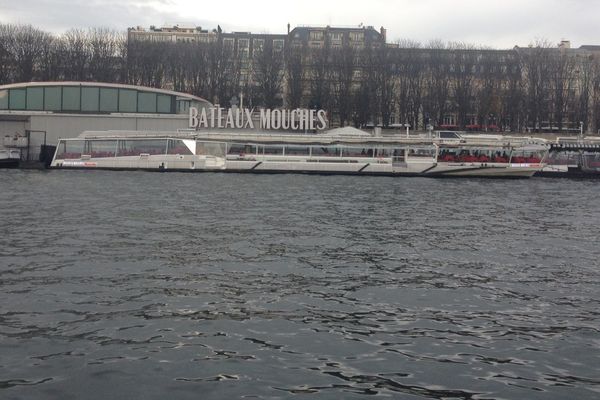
(26, 44)
(295, 74)
(595, 95)
(342, 83)
(319, 75)
(462, 71)
(268, 73)
(197, 69)
(536, 67)
(77, 55)
(104, 46)
(6, 60)
(437, 85)
(385, 69)
(412, 66)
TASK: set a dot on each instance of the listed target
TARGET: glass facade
(35, 98)
(92, 99)
(71, 98)
(3, 99)
(16, 99)
(109, 100)
(52, 98)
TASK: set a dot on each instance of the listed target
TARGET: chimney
(564, 44)
(288, 28)
(383, 34)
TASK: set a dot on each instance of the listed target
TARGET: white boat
(573, 157)
(9, 158)
(340, 151)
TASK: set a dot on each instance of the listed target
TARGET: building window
(278, 44)
(243, 43)
(335, 36)
(316, 35)
(228, 43)
(71, 99)
(35, 98)
(17, 99)
(52, 99)
(109, 100)
(146, 102)
(3, 99)
(449, 120)
(90, 97)
(357, 36)
(163, 104)
(127, 101)
(258, 44)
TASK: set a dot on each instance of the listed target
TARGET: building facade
(171, 34)
(43, 112)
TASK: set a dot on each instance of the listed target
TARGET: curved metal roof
(106, 85)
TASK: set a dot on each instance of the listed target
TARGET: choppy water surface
(196, 286)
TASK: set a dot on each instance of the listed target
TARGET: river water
(139, 285)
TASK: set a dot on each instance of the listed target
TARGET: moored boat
(10, 158)
(573, 157)
(339, 151)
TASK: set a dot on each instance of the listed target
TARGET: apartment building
(173, 34)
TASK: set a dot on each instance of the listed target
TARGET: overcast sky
(498, 24)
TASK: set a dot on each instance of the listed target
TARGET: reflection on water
(153, 286)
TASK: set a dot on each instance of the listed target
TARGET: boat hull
(322, 167)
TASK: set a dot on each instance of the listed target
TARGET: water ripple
(142, 285)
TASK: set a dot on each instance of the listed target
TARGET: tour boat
(573, 157)
(338, 151)
(9, 158)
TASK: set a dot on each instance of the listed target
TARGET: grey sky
(499, 24)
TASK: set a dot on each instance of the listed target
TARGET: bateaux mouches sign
(241, 118)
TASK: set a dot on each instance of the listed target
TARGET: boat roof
(340, 135)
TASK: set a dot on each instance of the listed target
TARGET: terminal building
(39, 113)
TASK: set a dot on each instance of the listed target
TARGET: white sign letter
(193, 122)
(321, 116)
(265, 119)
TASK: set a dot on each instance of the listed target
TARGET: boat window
(527, 156)
(216, 149)
(297, 150)
(176, 146)
(241, 148)
(429, 153)
(591, 160)
(146, 146)
(101, 148)
(448, 135)
(271, 149)
(70, 149)
(354, 152)
(462, 155)
(382, 152)
(564, 158)
(325, 151)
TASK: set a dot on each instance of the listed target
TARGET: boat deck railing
(278, 138)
